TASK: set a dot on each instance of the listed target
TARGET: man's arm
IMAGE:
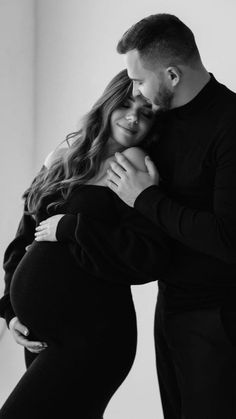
(211, 232)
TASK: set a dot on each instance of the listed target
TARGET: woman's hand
(19, 333)
(46, 230)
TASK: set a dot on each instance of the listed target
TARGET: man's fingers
(111, 185)
(151, 168)
(124, 162)
(113, 177)
(116, 168)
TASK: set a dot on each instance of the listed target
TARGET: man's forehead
(135, 68)
(133, 63)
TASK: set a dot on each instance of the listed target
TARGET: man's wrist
(145, 196)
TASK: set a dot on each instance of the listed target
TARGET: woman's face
(131, 122)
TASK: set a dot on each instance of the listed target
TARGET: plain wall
(75, 57)
(17, 142)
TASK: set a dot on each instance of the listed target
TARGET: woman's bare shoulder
(136, 156)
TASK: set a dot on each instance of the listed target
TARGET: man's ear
(173, 74)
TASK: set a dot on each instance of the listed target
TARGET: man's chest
(184, 155)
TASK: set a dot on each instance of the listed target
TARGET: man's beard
(163, 99)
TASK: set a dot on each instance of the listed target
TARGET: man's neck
(192, 82)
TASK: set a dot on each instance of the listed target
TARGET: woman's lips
(129, 130)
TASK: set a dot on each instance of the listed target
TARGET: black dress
(88, 322)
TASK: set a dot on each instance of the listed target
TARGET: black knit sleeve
(130, 250)
(213, 233)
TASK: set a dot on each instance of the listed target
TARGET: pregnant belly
(43, 284)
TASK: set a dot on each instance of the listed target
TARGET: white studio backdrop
(56, 57)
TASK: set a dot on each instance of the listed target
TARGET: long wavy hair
(87, 148)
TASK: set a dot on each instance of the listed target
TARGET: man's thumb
(151, 168)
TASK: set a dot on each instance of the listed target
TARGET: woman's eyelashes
(143, 110)
(147, 114)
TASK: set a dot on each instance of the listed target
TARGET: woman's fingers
(42, 232)
(17, 326)
(19, 332)
(46, 230)
(36, 347)
(41, 227)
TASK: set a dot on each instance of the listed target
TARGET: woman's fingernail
(26, 332)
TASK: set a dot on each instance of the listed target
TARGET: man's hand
(127, 181)
(46, 230)
(20, 333)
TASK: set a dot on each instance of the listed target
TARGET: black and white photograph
(118, 209)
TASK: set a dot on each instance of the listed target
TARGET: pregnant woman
(86, 322)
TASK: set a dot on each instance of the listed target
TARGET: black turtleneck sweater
(196, 202)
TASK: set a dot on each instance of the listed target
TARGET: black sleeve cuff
(6, 310)
(148, 199)
(66, 228)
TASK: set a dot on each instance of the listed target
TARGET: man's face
(150, 83)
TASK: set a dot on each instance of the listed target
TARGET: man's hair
(160, 37)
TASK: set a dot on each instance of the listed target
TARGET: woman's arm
(132, 251)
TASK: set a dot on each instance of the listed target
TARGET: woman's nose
(132, 118)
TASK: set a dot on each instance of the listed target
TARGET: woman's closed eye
(147, 113)
(125, 105)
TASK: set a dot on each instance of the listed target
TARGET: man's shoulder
(227, 96)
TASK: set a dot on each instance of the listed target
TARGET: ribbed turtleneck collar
(200, 101)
